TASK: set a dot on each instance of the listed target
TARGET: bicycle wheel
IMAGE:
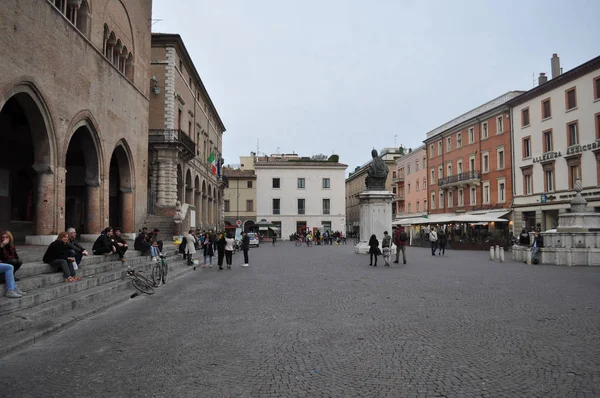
(147, 281)
(142, 286)
(157, 275)
(165, 271)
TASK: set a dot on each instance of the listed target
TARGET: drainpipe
(512, 164)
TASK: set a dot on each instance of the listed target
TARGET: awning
(474, 217)
(267, 228)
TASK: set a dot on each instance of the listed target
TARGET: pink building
(411, 184)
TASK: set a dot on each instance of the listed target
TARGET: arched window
(110, 45)
(123, 59)
(129, 67)
(61, 5)
(105, 39)
(83, 18)
(117, 53)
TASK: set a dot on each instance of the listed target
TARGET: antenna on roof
(153, 21)
(533, 78)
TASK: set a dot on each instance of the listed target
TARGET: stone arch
(122, 188)
(198, 199)
(26, 126)
(248, 225)
(180, 196)
(82, 161)
(189, 188)
(117, 7)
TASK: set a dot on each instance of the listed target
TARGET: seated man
(142, 242)
(76, 247)
(155, 237)
(60, 255)
(121, 244)
(105, 243)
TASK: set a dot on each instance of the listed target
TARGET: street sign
(238, 223)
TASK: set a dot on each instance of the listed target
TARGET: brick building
(185, 130)
(73, 115)
(410, 177)
(469, 162)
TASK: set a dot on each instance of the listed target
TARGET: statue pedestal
(375, 218)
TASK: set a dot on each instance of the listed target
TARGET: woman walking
(208, 250)
(229, 242)
(373, 250)
(442, 239)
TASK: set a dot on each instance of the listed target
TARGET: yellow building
(240, 194)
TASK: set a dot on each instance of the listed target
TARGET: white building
(295, 193)
(556, 139)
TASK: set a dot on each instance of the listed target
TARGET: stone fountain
(576, 240)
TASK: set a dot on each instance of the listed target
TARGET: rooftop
(237, 173)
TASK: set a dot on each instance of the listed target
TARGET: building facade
(469, 162)
(74, 92)
(410, 177)
(556, 134)
(240, 197)
(296, 193)
(355, 184)
(186, 139)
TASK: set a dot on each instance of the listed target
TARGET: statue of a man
(377, 173)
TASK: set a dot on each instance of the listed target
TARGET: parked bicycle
(160, 271)
(139, 281)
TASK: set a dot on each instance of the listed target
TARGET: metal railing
(465, 176)
(176, 136)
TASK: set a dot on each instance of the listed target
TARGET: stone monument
(375, 205)
(576, 240)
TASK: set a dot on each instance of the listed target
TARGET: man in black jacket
(245, 248)
(142, 243)
(105, 243)
(121, 244)
(538, 243)
(76, 247)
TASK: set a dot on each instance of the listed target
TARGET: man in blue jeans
(538, 243)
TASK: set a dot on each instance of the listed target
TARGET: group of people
(438, 241)
(400, 240)
(221, 243)
(147, 243)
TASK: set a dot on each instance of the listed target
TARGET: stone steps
(52, 304)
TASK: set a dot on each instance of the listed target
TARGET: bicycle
(299, 242)
(356, 241)
(140, 282)
(160, 271)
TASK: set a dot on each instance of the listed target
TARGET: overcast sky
(344, 76)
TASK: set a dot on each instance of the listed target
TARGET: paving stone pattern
(319, 322)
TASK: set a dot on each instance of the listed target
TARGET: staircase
(52, 304)
(165, 224)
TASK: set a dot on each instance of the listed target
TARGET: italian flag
(213, 163)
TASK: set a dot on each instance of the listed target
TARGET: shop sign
(584, 194)
(547, 156)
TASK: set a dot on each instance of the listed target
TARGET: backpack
(403, 237)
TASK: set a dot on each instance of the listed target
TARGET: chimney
(555, 62)
(542, 79)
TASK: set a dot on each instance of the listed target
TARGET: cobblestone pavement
(312, 322)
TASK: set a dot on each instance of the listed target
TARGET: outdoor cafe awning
(475, 217)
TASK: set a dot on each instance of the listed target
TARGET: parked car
(254, 241)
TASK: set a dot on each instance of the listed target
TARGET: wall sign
(570, 151)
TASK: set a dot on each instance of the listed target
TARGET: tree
(334, 158)
(319, 156)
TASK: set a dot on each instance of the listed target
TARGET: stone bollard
(501, 254)
(497, 253)
(491, 253)
(528, 255)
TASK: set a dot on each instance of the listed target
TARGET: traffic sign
(238, 223)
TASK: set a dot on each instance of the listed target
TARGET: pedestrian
(373, 250)
(208, 250)
(442, 239)
(274, 238)
(386, 244)
(245, 248)
(538, 243)
(229, 242)
(433, 239)
(221, 250)
(401, 239)
(524, 239)
(8, 254)
(190, 247)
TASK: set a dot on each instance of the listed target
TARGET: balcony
(397, 179)
(399, 197)
(466, 178)
(173, 137)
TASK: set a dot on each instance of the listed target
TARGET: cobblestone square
(319, 322)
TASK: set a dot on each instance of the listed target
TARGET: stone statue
(178, 212)
(376, 173)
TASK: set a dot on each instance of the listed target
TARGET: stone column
(198, 204)
(44, 200)
(93, 211)
(166, 194)
(204, 211)
(127, 210)
(189, 195)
